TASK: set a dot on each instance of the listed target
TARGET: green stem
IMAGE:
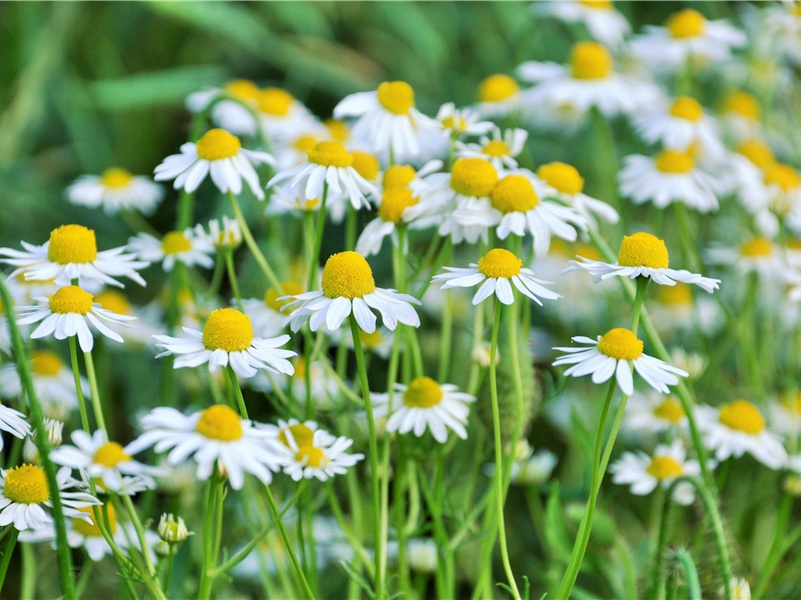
(228, 255)
(76, 376)
(11, 542)
(240, 399)
(216, 278)
(28, 583)
(318, 241)
(777, 548)
(168, 573)
(642, 283)
(252, 245)
(96, 405)
(685, 559)
(140, 534)
(206, 579)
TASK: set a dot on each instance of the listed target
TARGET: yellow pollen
(110, 454)
(217, 144)
(242, 89)
(590, 60)
(302, 435)
(220, 422)
(305, 143)
(499, 263)
(46, 364)
(456, 122)
(228, 329)
(783, 176)
(473, 177)
(331, 154)
(496, 148)
(665, 467)
(687, 108)
(744, 104)
(71, 299)
(370, 340)
(347, 275)
(643, 250)
(115, 178)
(338, 129)
(674, 161)
(72, 244)
(687, 23)
(757, 247)
(422, 392)
(175, 242)
(91, 529)
(675, 295)
(621, 344)
(394, 201)
(561, 176)
(398, 176)
(670, 410)
(497, 88)
(314, 457)
(275, 101)
(288, 288)
(742, 415)
(514, 193)
(396, 96)
(757, 151)
(114, 301)
(599, 4)
(26, 485)
(366, 165)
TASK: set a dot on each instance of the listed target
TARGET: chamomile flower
(281, 115)
(457, 122)
(424, 405)
(392, 212)
(563, 182)
(219, 154)
(216, 435)
(53, 383)
(225, 236)
(755, 255)
(642, 255)
(148, 318)
(500, 149)
(785, 414)
(498, 96)
(652, 412)
(68, 313)
(647, 472)
(348, 286)
(228, 111)
(315, 453)
(13, 422)
(741, 116)
(71, 253)
(497, 270)
(265, 313)
(604, 23)
(739, 427)
(116, 189)
(186, 247)
(616, 353)
(227, 339)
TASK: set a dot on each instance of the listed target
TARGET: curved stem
(240, 399)
(228, 254)
(318, 241)
(206, 577)
(96, 406)
(252, 245)
(76, 376)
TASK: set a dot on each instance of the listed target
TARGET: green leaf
(555, 530)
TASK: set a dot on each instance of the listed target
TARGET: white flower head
(315, 454)
(13, 422)
(187, 247)
(563, 182)
(462, 122)
(265, 313)
(233, 108)
(393, 210)
(227, 235)
(499, 95)
(116, 189)
(604, 23)
(282, 116)
(500, 149)
(653, 412)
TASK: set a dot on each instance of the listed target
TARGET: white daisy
(642, 255)
(265, 313)
(215, 435)
(219, 154)
(616, 353)
(13, 422)
(457, 122)
(68, 313)
(425, 404)
(756, 254)
(604, 23)
(500, 149)
(227, 339)
(282, 116)
(71, 253)
(148, 318)
(498, 96)
(227, 235)
(314, 452)
(652, 412)
(741, 116)
(739, 427)
(563, 182)
(393, 211)
(186, 247)
(744, 173)
(116, 189)
(496, 269)
(228, 111)
(348, 286)
(785, 414)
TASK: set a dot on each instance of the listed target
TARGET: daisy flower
(348, 286)
(500, 149)
(496, 269)
(315, 453)
(457, 122)
(68, 313)
(148, 318)
(227, 339)
(392, 212)
(71, 253)
(425, 404)
(604, 23)
(654, 413)
(265, 313)
(756, 254)
(228, 111)
(116, 189)
(225, 236)
(645, 473)
(785, 414)
(281, 115)
(13, 422)
(616, 353)
(739, 427)
(563, 182)
(215, 435)
(498, 96)
(219, 154)
(53, 383)
(741, 115)
(186, 247)
(642, 255)
(24, 495)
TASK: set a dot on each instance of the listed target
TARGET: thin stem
(96, 406)
(76, 375)
(140, 534)
(252, 245)
(11, 542)
(642, 283)
(685, 559)
(204, 590)
(318, 240)
(777, 548)
(28, 583)
(168, 573)
(228, 255)
(240, 399)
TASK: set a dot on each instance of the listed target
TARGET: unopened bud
(172, 529)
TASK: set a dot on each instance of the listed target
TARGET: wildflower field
(400, 300)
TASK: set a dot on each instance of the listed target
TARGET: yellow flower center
(497, 88)
(114, 301)
(673, 161)
(91, 529)
(72, 244)
(365, 164)
(347, 275)
(621, 344)
(783, 176)
(217, 144)
(115, 178)
(26, 485)
(338, 129)
(456, 122)
(496, 148)
(742, 415)
(303, 436)
(394, 201)
(499, 263)
(370, 340)
(757, 247)
(110, 454)
(664, 467)
(757, 151)
(643, 250)
(331, 154)
(300, 368)
(675, 295)
(71, 299)
(590, 60)
(687, 108)
(599, 4)
(514, 193)
(242, 89)
(220, 422)
(274, 101)
(314, 457)
(422, 392)
(305, 143)
(398, 176)
(228, 329)
(670, 410)
(396, 96)
(687, 23)
(473, 177)
(744, 104)
(561, 176)
(45, 364)
(288, 288)
(175, 242)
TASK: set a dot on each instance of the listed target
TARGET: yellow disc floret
(670, 410)
(303, 435)
(242, 89)
(473, 177)
(496, 148)
(365, 164)
(757, 151)
(220, 422)
(114, 301)
(687, 23)
(338, 129)
(274, 101)
(665, 467)
(331, 154)
(674, 161)
(562, 177)
(347, 275)
(217, 144)
(71, 299)
(398, 176)
(757, 247)
(643, 250)
(305, 143)
(110, 454)
(687, 108)
(311, 456)
(288, 288)
(228, 329)
(175, 242)
(783, 176)
(621, 344)
(26, 485)
(394, 201)
(590, 60)
(116, 178)
(499, 263)
(497, 88)
(422, 392)
(743, 104)
(46, 364)
(91, 529)
(72, 244)
(396, 96)
(514, 193)
(742, 415)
